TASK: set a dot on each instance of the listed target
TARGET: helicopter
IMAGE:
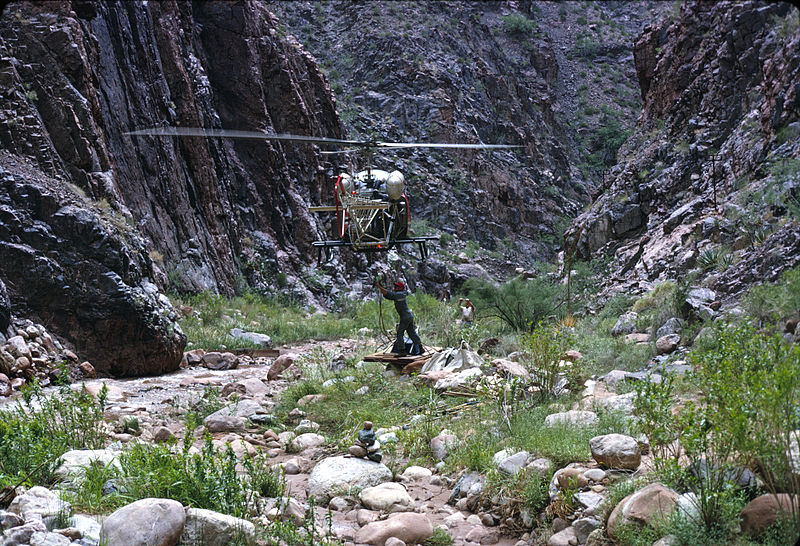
(371, 207)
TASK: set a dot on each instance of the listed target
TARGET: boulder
(249, 387)
(616, 451)
(458, 379)
(38, 502)
(583, 528)
(654, 502)
(667, 344)
(572, 418)
(416, 473)
(280, 364)
(763, 511)
(565, 537)
(74, 463)
(387, 497)
(442, 444)
(514, 464)
(307, 441)
(626, 324)
(571, 478)
(253, 338)
(214, 529)
(672, 326)
(243, 408)
(509, 368)
(146, 522)
(67, 261)
(341, 475)
(410, 527)
(699, 301)
(220, 361)
(223, 423)
(623, 403)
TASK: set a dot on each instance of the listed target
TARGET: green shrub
(440, 538)
(749, 386)
(38, 429)
(521, 304)
(544, 347)
(518, 24)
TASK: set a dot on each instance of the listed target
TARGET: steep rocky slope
(707, 187)
(77, 75)
(513, 72)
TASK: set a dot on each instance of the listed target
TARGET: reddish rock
(651, 503)
(410, 527)
(763, 511)
(571, 478)
(87, 370)
(281, 363)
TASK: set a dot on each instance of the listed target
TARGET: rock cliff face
(546, 75)
(79, 74)
(74, 76)
(708, 184)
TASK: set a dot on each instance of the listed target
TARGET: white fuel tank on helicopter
(365, 183)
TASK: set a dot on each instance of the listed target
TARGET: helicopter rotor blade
(445, 145)
(230, 133)
(348, 151)
(258, 135)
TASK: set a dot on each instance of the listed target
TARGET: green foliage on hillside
(518, 24)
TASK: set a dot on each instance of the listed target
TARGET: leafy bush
(518, 24)
(749, 386)
(38, 429)
(544, 348)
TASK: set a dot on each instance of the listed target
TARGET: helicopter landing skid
(327, 247)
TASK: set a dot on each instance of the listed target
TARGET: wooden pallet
(407, 364)
(257, 353)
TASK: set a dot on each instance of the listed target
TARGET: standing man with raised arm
(398, 295)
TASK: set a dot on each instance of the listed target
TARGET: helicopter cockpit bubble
(395, 185)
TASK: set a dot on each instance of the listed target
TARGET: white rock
(307, 441)
(214, 529)
(414, 473)
(458, 379)
(75, 462)
(590, 500)
(387, 497)
(38, 502)
(514, 464)
(616, 451)
(342, 475)
(88, 527)
(49, 539)
(145, 522)
(572, 417)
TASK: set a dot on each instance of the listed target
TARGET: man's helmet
(399, 286)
